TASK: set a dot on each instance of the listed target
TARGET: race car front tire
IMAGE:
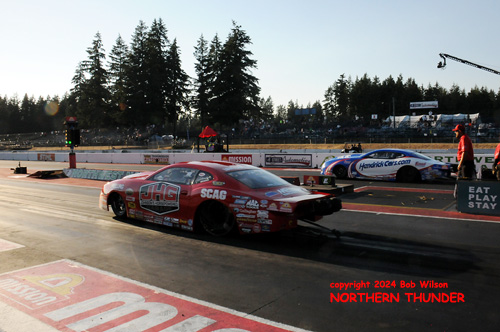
(118, 205)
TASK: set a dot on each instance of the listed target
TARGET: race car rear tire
(340, 172)
(118, 206)
(215, 218)
(408, 174)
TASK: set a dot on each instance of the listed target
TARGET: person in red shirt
(465, 154)
(496, 164)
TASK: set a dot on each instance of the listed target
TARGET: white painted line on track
(421, 216)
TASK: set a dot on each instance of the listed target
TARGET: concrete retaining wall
(286, 160)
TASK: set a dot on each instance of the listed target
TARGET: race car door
(167, 193)
(379, 164)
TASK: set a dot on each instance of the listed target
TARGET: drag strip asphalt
(402, 259)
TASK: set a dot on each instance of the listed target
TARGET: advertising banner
(46, 157)
(423, 105)
(238, 158)
(157, 159)
(288, 160)
(478, 197)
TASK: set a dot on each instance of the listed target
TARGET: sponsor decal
(273, 207)
(159, 197)
(252, 204)
(69, 296)
(266, 228)
(262, 214)
(213, 193)
(246, 220)
(238, 158)
(243, 215)
(376, 164)
(285, 207)
(240, 201)
(241, 197)
(247, 211)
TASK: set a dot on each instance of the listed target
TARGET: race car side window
(378, 155)
(203, 176)
(370, 156)
(180, 175)
(397, 155)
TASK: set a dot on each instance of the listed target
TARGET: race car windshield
(257, 178)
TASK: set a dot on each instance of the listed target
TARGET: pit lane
(281, 277)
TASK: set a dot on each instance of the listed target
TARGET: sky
(301, 47)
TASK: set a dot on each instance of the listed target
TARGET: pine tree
(202, 81)
(158, 84)
(214, 70)
(28, 113)
(336, 104)
(136, 78)
(236, 89)
(94, 99)
(178, 86)
(117, 81)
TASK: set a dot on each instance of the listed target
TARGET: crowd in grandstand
(403, 127)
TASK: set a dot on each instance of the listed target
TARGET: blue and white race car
(386, 164)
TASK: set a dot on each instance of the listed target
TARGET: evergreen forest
(144, 84)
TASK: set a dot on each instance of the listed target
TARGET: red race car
(216, 196)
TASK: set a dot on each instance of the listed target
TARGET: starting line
(68, 296)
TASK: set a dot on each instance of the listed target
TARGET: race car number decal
(159, 197)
